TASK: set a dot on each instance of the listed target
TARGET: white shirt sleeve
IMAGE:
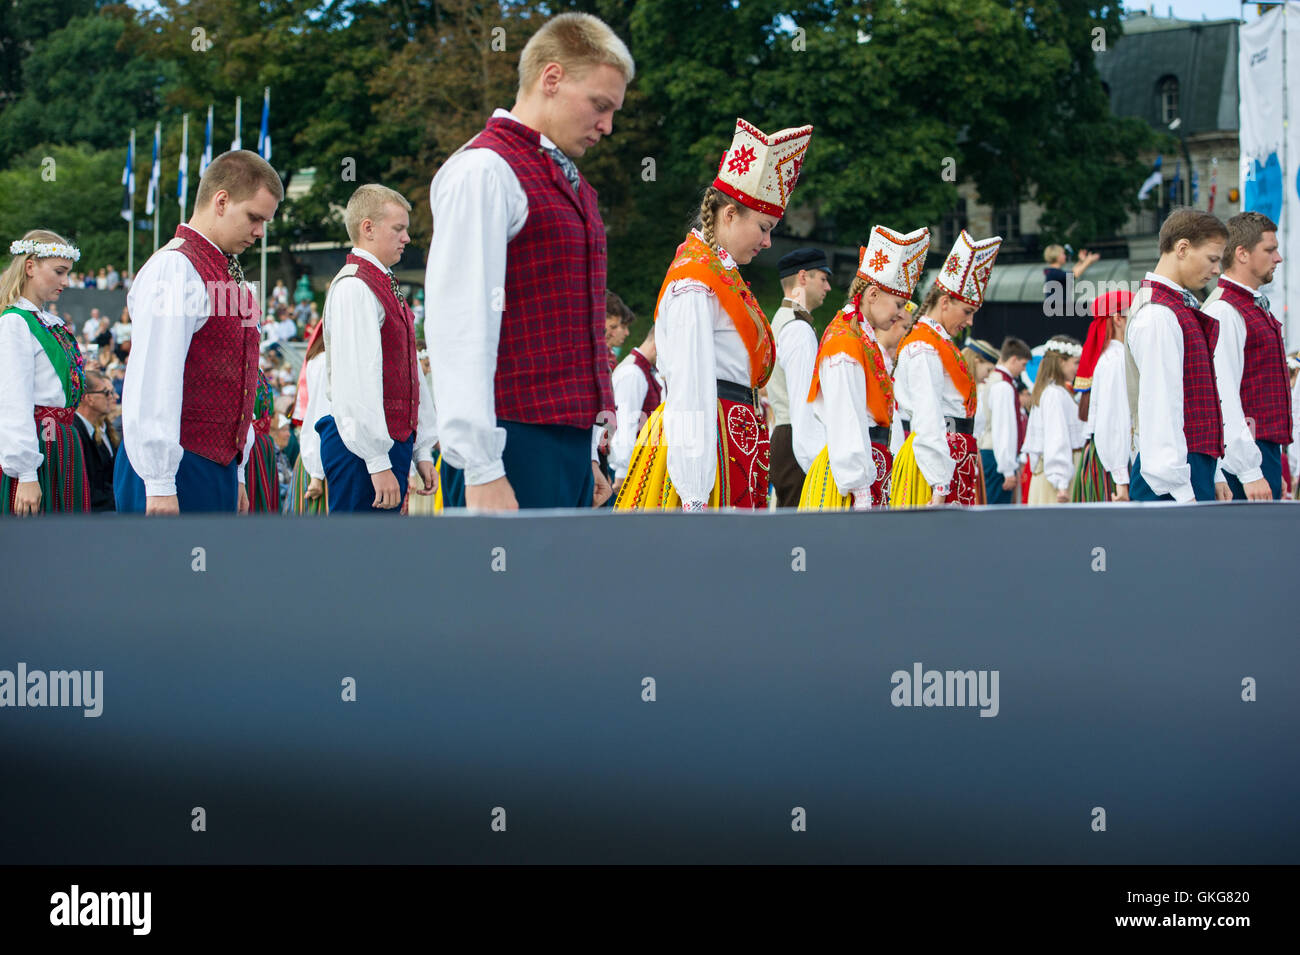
(354, 360)
(1293, 452)
(797, 351)
(686, 353)
(246, 455)
(844, 406)
(1156, 341)
(1002, 411)
(478, 207)
(896, 436)
(426, 426)
(1058, 455)
(630, 389)
(318, 405)
(929, 430)
(164, 318)
(1241, 455)
(20, 452)
(1112, 425)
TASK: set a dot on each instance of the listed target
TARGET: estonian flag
(264, 134)
(182, 181)
(1152, 181)
(206, 159)
(128, 184)
(155, 173)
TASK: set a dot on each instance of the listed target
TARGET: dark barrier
(1121, 688)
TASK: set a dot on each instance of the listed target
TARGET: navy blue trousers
(350, 487)
(994, 493)
(1202, 480)
(548, 465)
(1271, 466)
(201, 485)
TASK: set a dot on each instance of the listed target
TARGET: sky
(1196, 9)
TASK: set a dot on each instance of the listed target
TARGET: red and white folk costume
(852, 389)
(707, 445)
(935, 392)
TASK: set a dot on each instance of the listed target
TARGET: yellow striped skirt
(820, 492)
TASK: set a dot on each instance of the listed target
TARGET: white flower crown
(44, 250)
(1066, 348)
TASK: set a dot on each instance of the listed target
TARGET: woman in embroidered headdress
(1054, 439)
(852, 388)
(939, 462)
(1101, 382)
(41, 383)
(262, 480)
(708, 445)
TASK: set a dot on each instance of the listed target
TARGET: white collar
(1151, 276)
(89, 427)
(46, 318)
(943, 332)
(1252, 292)
(506, 114)
(363, 254)
(723, 254)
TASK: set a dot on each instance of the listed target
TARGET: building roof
(1200, 54)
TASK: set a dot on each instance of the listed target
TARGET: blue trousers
(201, 485)
(1202, 480)
(351, 489)
(548, 465)
(994, 493)
(1271, 465)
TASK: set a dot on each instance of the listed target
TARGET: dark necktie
(397, 292)
(1191, 300)
(1262, 302)
(233, 269)
(566, 165)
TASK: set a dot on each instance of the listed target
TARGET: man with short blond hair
(515, 283)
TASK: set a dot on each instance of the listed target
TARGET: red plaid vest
(1265, 388)
(1022, 416)
(552, 363)
(653, 393)
(1202, 416)
(221, 366)
(397, 341)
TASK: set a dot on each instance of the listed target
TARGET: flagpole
(157, 199)
(266, 106)
(185, 163)
(238, 141)
(130, 223)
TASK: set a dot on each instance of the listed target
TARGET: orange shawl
(841, 339)
(953, 363)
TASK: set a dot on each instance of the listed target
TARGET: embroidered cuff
(695, 507)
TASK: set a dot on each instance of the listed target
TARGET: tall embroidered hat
(965, 273)
(893, 261)
(760, 171)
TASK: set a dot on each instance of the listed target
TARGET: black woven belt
(880, 435)
(955, 425)
(730, 391)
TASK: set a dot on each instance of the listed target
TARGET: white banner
(1270, 153)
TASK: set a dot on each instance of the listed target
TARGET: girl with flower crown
(1054, 439)
(41, 383)
(707, 445)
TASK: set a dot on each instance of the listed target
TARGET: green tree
(24, 24)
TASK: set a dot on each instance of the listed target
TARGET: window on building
(953, 222)
(1006, 223)
(1168, 100)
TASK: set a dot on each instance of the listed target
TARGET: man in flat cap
(797, 435)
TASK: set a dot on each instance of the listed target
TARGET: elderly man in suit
(98, 443)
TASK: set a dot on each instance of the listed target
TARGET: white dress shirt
(1155, 338)
(318, 406)
(169, 304)
(925, 396)
(841, 404)
(1053, 434)
(698, 344)
(1241, 455)
(478, 207)
(796, 353)
(1293, 452)
(354, 374)
(1004, 421)
(27, 379)
(630, 390)
(1110, 422)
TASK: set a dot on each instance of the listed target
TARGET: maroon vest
(1265, 389)
(221, 366)
(552, 363)
(1022, 416)
(1202, 416)
(397, 341)
(653, 393)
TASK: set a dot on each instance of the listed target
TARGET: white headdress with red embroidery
(894, 261)
(760, 171)
(965, 273)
